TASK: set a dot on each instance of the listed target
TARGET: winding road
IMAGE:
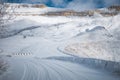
(31, 64)
(43, 69)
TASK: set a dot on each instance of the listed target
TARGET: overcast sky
(74, 4)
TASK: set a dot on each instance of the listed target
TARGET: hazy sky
(74, 4)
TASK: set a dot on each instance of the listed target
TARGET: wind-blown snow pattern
(37, 46)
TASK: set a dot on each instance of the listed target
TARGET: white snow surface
(30, 40)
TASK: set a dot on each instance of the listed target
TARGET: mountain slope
(55, 47)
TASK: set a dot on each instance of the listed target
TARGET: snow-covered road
(41, 69)
(30, 62)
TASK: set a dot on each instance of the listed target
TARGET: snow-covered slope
(29, 39)
(95, 28)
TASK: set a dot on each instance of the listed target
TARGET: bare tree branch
(6, 12)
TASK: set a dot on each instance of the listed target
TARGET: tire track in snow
(58, 68)
(38, 69)
(72, 72)
(25, 71)
(53, 69)
(44, 68)
(36, 73)
(68, 70)
(58, 72)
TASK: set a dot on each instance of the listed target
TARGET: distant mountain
(50, 11)
(75, 4)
